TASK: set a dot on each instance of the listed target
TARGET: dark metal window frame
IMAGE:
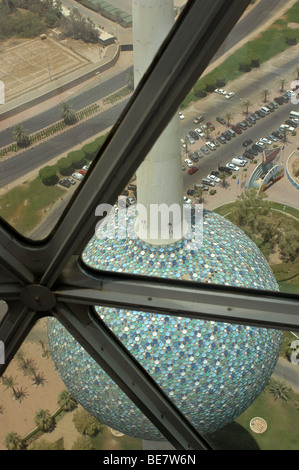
(48, 278)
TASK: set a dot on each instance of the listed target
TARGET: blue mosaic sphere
(212, 371)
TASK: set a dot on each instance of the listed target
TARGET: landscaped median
(50, 131)
(26, 205)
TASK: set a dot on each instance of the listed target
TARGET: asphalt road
(79, 101)
(32, 158)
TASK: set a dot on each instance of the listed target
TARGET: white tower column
(159, 178)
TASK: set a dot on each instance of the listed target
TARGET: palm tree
(66, 401)
(14, 442)
(265, 94)
(68, 114)
(46, 352)
(20, 394)
(44, 420)
(246, 105)
(9, 382)
(279, 390)
(228, 117)
(282, 84)
(27, 366)
(199, 194)
(223, 176)
(21, 136)
(38, 379)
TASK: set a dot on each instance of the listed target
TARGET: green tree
(68, 114)
(66, 401)
(86, 424)
(223, 177)
(77, 158)
(13, 441)
(20, 136)
(48, 175)
(282, 82)
(83, 443)
(65, 166)
(246, 105)
(279, 390)
(265, 95)
(228, 117)
(44, 420)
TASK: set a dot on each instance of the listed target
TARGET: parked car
(71, 180)
(193, 170)
(213, 178)
(221, 120)
(205, 150)
(132, 187)
(271, 137)
(291, 123)
(198, 154)
(236, 129)
(242, 125)
(247, 143)
(229, 95)
(194, 135)
(190, 139)
(226, 169)
(221, 139)
(219, 91)
(198, 119)
(226, 136)
(188, 163)
(215, 142)
(211, 126)
(279, 100)
(260, 113)
(190, 192)
(208, 182)
(200, 132)
(181, 116)
(231, 166)
(211, 146)
(277, 134)
(249, 155)
(193, 157)
(65, 183)
(201, 186)
(257, 147)
(130, 200)
(77, 176)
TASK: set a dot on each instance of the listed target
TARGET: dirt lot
(27, 64)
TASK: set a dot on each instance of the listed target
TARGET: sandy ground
(19, 417)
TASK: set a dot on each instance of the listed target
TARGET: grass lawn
(268, 44)
(22, 207)
(105, 440)
(282, 430)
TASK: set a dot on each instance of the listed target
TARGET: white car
(288, 128)
(220, 91)
(181, 116)
(232, 166)
(266, 141)
(260, 143)
(85, 168)
(187, 200)
(211, 146)
(190, 139)
(214, 178)
(200, 133)
(77, 176)
(189, 163)
(229, 95)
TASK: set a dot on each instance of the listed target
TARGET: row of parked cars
(77, 175)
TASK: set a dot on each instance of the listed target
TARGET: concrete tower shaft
(159, 178)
